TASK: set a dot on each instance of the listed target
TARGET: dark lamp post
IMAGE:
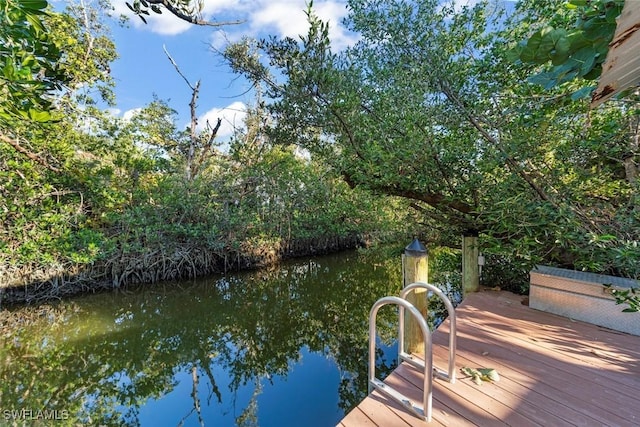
(415, 249)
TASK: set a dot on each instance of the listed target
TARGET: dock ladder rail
(423, 411)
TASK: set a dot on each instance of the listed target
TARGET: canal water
(285, 346)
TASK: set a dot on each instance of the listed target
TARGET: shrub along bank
(235, 216)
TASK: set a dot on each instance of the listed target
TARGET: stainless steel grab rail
(423, 411)
(450, 375)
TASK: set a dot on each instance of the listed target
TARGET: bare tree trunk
(196, 401)
(193, 130)
(193, 165)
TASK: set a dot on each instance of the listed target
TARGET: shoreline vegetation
(411, 137)
(160, 264)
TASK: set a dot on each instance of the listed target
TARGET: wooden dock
(553, 372)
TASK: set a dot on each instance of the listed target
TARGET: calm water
(285, 347)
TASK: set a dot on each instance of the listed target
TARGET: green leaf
(586, 57)
(512, 55)
(577, 40)
(489, 374)
(563, 45)
(481, 374)
(34, 4)
(585, 92)
(605, 238)
(39, 116)
(612, 14)
(36, 24)
(599, 31)
(562, 51)
(545, 79)
(539, 47)
(9, 70)
(556, 36)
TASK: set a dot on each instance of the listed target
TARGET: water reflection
(286, 346)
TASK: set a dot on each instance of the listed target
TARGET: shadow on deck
(553, 372)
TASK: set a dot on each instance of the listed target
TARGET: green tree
(84, 38)
(30, 73)
(576, 41)
(428, 106)
(45, 204)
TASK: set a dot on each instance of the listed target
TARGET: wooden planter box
(582, 296)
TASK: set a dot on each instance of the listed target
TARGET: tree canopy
(429, 105)
(90, 198)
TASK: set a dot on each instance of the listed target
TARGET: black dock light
(415, 249)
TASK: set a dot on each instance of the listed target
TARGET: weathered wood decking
(553, 372)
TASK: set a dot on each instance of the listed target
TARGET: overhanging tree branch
(185, 11)
(511, 162)
(435, 200)
(29, 154)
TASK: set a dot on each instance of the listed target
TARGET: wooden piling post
(415, 264)
(470, 270)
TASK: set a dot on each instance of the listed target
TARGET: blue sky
(144, 70)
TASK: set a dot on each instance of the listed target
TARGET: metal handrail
(451, 372)
(423, 412)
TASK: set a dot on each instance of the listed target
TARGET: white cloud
(128, 115)
(232, 117)
(334, 12)
(458, 5)
(260, 17)
(283, 17)
(288, 19)
(114, 112)
(167, 24)
(220, 38)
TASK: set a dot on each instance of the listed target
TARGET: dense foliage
(430, 105)
(452, 120)
(88, 198)
(574, 39)
(30, 68)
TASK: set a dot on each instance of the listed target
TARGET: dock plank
(553, 371)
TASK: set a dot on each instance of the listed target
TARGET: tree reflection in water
(101, 359)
